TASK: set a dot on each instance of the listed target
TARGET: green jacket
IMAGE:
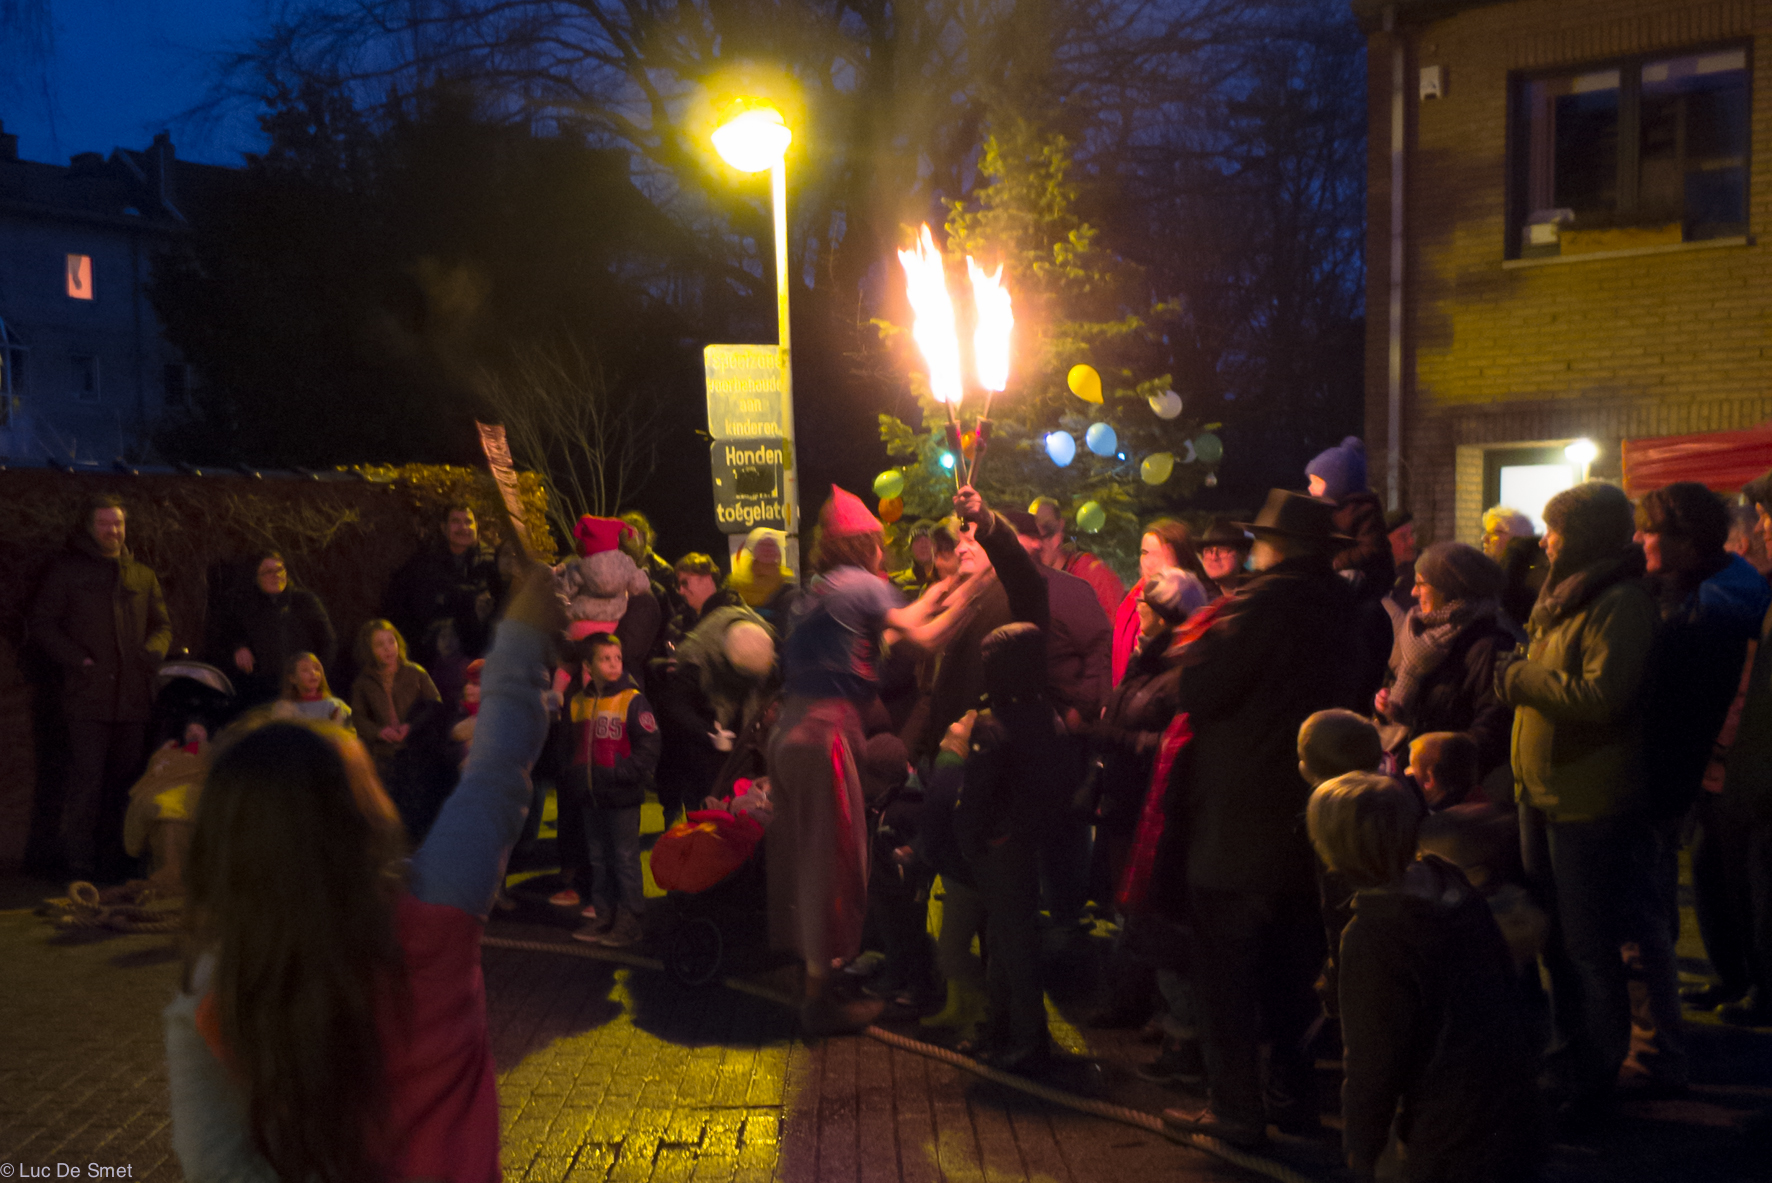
(1748, 767)
(1577, 746)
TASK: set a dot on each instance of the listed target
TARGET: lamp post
(754, 137)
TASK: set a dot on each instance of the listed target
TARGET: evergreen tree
(1076, 303)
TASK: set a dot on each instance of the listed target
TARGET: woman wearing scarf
(1442, 666)
(762, 580)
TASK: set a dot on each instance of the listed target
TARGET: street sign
(749, 483)
(744, 391)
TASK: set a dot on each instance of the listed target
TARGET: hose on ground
(1148, 1122)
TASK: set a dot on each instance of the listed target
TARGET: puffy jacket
(109, 612)
(1577, 746)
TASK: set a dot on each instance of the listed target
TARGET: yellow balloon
(1085, 383)
(1157, 467)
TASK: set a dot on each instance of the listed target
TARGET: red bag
(702, 849)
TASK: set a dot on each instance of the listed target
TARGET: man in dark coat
(1279, 652)
(100, 616)
(456, 583)
(1338, 475)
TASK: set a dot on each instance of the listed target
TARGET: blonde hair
(1364, 826)
(1499, 519)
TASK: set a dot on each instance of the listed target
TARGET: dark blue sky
(122, 70)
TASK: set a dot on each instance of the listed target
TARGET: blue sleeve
(463, 859)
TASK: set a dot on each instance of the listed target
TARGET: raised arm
(463, 859)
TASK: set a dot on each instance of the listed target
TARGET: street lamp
(754, 137)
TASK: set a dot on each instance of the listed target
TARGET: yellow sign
(744, 391)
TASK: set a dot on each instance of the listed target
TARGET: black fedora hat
(1225, 532)
(1294, 515)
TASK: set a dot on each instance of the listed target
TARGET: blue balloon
(1061, 447)
(1101, 439)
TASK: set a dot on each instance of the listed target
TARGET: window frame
(1630, 94)
(91, 296)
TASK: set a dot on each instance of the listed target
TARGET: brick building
(84, 369)
(1571, 252)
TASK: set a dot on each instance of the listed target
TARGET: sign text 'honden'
(748, 483)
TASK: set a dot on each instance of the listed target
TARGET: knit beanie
(1459, 571)
(1175, 594)
(1596, 521)
(1343, 468)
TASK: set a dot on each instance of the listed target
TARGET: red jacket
(443, 1112)
(1100, 577)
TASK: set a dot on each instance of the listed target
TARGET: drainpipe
(1394, 422)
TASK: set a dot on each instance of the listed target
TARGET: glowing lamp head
(1583, 452)
(947, 460)
(754, 138)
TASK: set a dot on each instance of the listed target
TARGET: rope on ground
(133, 907)
(1149, 1122)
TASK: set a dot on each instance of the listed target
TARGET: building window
(1647, 151)
(80, 277)
(86, 378)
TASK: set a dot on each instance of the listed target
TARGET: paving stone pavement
(605, 1073)
(609, 1073)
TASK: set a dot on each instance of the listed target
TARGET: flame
(926, 286)
(996, 320)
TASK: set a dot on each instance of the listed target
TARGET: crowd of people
(1337, 795)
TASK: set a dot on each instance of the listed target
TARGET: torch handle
(981, 439)
(954, 445)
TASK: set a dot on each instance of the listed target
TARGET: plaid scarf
(1423, 640)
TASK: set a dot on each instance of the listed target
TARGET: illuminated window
(85, 378)
(80, 277)
(1640, 152)
(1525, 478)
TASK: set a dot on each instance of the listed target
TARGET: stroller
(711, 864)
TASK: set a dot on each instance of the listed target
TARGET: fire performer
(818, 853)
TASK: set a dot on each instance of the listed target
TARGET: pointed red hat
(596, 535)
(845, 514)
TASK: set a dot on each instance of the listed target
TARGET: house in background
(1562, 218)
(84, 369)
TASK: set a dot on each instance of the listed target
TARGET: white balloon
(1166, 405)
(1189, 458)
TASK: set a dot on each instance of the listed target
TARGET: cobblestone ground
(609, 1073)
(605, 1073)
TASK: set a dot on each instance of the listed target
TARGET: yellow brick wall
(1606, 348)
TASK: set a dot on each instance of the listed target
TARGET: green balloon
(1156, 468)
(1091, 517)
(889, 484)
(1209, 448)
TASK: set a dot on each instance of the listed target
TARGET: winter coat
(372, 708)
(1079, 644)
(275, 628)
(1747, 768)
(1019, 776)
(109, 612)
(1693, 675)
(616, 742)
(1278, 652)
(1436, 1037)
(1459, 694)
(699, 690)
(1022, 593)
(640, 632)
(1097, 574)
(1125, 739)
(1127, 628)
(1577, 694)
(1524, 568)
(436, 585)
(1360, 515)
